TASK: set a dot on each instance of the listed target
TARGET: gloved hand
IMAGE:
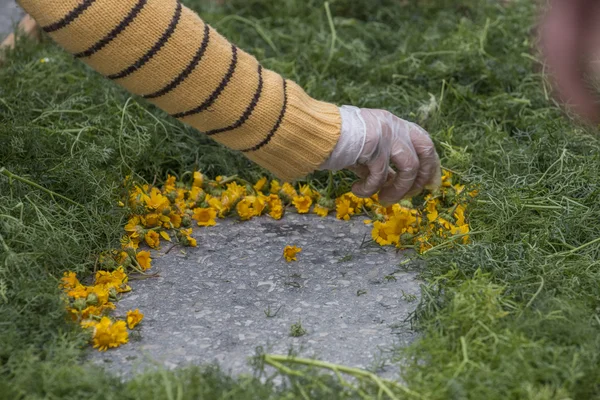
(371, 140)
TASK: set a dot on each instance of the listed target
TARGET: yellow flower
(459, 214)
(369, 203)
(384, 211)
(133, 318)
(458, 188)
(96, 310)
(275, 206)
(129, 242)
(355, 201)
(290, 253)
(461, 230)
(446, 178)
(111, 279)
(198, 179)
(169, 185)
(152, 239)
(101, 293)
(289, 190)
(258, 186)
(424, 244)
(344, 210)
(251, 206)
(445, 223)
(383, 235)
(236, 190)
(276, 212)
(88, 323)
(432, 212)
(134, 227)
(218, 206)
(186, 238)
(195, 194)
(205, 216)
(403, 218)
(135, 197)
(144, 260)
(474, 193)
(275, 186)
(244, 209)
(259, 203)
(302, 203)
(120, 257)
(69, 281)
(79, 292)
(151, 220)
(108, 334)
(273, 199)
(156, 201)
(181, 193)
(305, 190)
(174, 221)
(321, 211)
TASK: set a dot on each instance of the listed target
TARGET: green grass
(516, 314)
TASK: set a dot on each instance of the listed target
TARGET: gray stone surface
(208, 303)
(10, 15)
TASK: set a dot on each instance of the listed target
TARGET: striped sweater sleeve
(163, 52)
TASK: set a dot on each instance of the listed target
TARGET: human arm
(164, 52)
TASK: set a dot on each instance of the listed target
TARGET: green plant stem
(330, 185)
(10, 175)
(333, 38)
(452, 240)
(278, 360)
(253, 24)
(228, 179)
(576, 249)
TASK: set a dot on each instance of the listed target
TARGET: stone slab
(209, 303)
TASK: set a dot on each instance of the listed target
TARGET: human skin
(570, 42)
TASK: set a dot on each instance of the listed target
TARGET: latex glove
(372, 139)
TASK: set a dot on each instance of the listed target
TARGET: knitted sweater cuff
(308, 133)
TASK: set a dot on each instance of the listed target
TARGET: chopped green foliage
(269, 313)
(408, 296)
(297, 330)
(512, 315)
(346, 258)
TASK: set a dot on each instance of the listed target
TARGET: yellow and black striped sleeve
(162, 51)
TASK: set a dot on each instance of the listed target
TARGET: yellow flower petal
(165, 235)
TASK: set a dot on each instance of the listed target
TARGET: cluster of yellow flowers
(440, 218)
(168, 214)
(159, 212)
(89, 306)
